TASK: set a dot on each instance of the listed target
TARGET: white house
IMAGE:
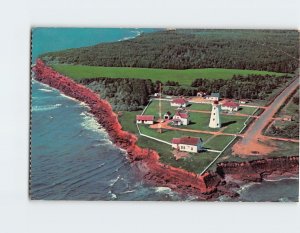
(189, 144)
(179, 102)
(243, 101)
(145, 119)
(214, 96)
(230, 106)
(181, 118)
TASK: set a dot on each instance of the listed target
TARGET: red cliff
(256, 170)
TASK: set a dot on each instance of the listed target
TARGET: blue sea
(72, 157)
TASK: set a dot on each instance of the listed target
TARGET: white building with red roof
(145, 119)
(189, 144)
(179, 102)
(181, 118)
(230, 106)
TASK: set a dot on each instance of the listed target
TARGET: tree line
(123, 94)
(242, 87)
(186, 49)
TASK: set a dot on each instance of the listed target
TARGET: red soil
(257, 146)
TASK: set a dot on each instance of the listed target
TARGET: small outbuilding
(145, 119)
(243, 101)
(181, 116)
(179, 102)
(230, 106)
(214, 96)
(189, 144)
(167, 116)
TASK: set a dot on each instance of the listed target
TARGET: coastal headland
(207, 186)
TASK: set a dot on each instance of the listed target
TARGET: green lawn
(200, 121)
(218, 142)
(246, 110)
(127, 120)
(199, 107)
(168, 135)
(182, 76)
(153, 108)
(194, 163)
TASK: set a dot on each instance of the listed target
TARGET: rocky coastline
(208, 186)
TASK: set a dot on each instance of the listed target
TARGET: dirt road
(253, 138)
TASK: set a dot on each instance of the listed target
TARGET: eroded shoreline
(208, 186)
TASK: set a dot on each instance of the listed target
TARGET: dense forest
(270, 50)
(126, 94)
(123, 94)
(291, 130)
(288, 129)
(239, 87)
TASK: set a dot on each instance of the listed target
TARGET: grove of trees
(183, 49)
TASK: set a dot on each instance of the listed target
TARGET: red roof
(182, 115)
(187, 140)
(231, 104)
(179, 101)
(145, 117)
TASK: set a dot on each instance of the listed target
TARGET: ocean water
(282, 190)
(54, 39)
(72, 157)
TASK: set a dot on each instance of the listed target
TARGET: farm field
(183, 77)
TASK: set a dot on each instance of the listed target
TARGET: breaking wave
(45, 107)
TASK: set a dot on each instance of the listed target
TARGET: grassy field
(168, 135)
(194, 163)
(127, 120)
(200, 121)
(153, 108)
(184, 77)
(218, 142)
(246, 110)
(199, 107)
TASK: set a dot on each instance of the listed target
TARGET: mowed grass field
(195, 162)
(183, 77)
(168, 135)
(218, 142)
(200, 121)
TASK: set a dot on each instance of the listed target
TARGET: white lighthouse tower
(215, 121)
